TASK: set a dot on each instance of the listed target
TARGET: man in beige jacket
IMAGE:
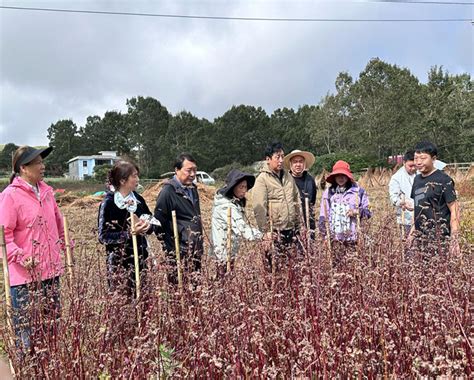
(276, 186)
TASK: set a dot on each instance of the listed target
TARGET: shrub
(358, 162)
(101, 172)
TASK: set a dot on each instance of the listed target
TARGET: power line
(228, 18)
(421, 2)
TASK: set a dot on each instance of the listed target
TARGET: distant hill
(37, 147)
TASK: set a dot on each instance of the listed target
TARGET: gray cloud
(56, 66)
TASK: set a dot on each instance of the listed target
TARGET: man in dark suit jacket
(180, 194)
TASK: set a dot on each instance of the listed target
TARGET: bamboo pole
(357, 204)
(273, 256)
(135, 256)
(176, 247)
(270, 216)
(229, 238)
(306, 208)
(402, 200)
(8, 295)
(68, 248)
(326, 222)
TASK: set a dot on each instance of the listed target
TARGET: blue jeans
(25, 301)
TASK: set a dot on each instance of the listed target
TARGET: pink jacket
(32, 229)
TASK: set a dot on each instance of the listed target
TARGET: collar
(128, 202)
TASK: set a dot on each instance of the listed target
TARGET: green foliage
(6, 156)
(220, 174)
(357, 162)
(383, 112)
(64, 137)
(101, 172)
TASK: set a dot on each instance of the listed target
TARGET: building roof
(94, 157)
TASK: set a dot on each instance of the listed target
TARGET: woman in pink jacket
(34, 238)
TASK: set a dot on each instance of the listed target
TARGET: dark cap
(234, 177)
(29, 155)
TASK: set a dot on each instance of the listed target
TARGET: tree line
(382, 113)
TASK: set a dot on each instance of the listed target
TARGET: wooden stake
(306, 208)
(229, 238)
(8, 295)
(135, 256)
(402, 200)
(68, 248)
(357, 201)
(176, 247)
(326, 222)
(270, 216)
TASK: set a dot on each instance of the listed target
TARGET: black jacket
(188, 215)
(307, 188)
(114, 226)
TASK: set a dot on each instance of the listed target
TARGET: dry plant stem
(8, 296)
(135, 256)
(229, 238)
(357, 200)
(306, 207)
(68, 248)
(177, 249)
(328, 229)
(273, 256)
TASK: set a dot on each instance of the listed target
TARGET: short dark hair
(121, 170)
(272, 148)
(178, 163)
(409, 155)
(426, 147)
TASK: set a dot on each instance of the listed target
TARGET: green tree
(448, 118)
(242, 134)
(387, 110)
(6, 156)
(148, 121)
(64, 137)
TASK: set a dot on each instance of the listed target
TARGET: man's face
(275, 162)
(187, 173)
(424, 162)
(297, 165)
(410, 167)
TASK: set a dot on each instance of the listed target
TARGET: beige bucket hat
(308, 157)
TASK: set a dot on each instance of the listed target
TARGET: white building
(81, 167)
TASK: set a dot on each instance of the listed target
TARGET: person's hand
(268, 236)
(352, 212)
(141, 227)
(409, 240)
(407, 205)
(267, 241)
(403, 205)
(30, 263)
(454, 249)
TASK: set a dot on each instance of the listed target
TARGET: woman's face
(130, 184)
(33, 172)
(240, 189)
(341, 179)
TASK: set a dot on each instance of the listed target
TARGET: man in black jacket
(180, 194)
(298, 163)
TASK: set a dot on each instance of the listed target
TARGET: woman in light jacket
(232, 196)
(34, 237)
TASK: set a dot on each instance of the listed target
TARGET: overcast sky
(69, 66)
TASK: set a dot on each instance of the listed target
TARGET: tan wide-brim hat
(308, 158)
